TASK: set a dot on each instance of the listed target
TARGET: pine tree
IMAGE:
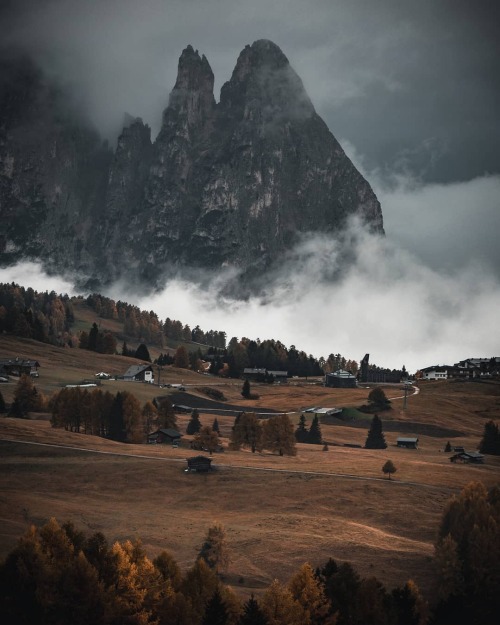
(315, 432)
(375, 438)
(245, 390)
(490, 443)
(215, 426)
(92, 340)
(301, 433)
(216, 612)
(142, 353)
(194, 424)
(166, 414)
(252, 613)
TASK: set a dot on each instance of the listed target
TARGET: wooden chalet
(199, 464)
(139, 373)
(165, 436)
(18, 367)
(408, 442)
(468, 457)
(341, 379)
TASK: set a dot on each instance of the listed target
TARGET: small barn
(253, 374)
(280, 377)
(165, 436)
(140, 373)
(199, 464)
(341, 379)
(408, 442)
(466, 457)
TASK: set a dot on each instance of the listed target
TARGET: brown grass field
(278, 511)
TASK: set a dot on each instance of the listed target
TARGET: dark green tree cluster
(313, 435)
(45, 317)
(375, 438)
(378, 398)
(270, 355)
(490, 443)
(467, 556)
(176, 331)
(102, 342)
(353, 600)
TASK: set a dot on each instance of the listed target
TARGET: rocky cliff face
(228, 183)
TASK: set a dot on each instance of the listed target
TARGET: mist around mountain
(233, 184)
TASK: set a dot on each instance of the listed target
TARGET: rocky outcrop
(233, 183)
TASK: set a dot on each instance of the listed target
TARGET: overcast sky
(411, 91)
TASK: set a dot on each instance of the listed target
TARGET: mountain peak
(264, 80)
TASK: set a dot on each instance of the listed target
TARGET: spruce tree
(216, 612)
(490, 443)
(245, 391)
(194, 424)
(142, 353)
(252, 613)
(375, 438)
(215, 426)
(315, 432)
(301, 433)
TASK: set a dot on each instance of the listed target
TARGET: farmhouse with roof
(341, 379)
(467, 457)
(140, 373)
(164, 436)
(18, 366)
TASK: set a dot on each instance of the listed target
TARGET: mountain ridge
(233, 183)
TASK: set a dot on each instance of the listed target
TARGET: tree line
(45, 317)
(57, 575)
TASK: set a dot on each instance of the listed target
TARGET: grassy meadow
(278, 511)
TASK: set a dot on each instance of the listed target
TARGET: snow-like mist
(351, 296)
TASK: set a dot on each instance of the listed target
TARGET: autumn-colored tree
(166, 414)
(181, 358)
(169, 569)
(389, 468)
(26, 398)
(198, 587)
(132, 419)
(280, 608)
(467, 555)
(308, 592)
(214, 550)
(207, 439)
(149, 416)
(278, 435)
(247, 432)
